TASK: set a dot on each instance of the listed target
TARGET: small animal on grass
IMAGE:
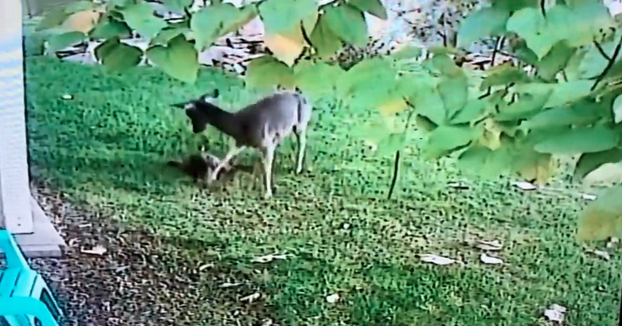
(198, 166)
(261, 125)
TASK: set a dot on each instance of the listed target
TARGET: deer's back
(275, 116)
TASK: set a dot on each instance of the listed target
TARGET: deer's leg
(302, 143)
(268, 158)
(235, 150)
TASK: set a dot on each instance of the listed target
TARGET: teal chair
(25, 298)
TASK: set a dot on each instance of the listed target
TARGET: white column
(15, 199)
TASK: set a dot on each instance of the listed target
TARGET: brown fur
(198, 167)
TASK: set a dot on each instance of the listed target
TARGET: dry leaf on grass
(436, 259)
(229, 285)
(251, 298)
(490, 260)
(600, 253)
(98, 250)
(332, 298)
(268, 258)
(523, 185)
(555, 313)
(494, 245)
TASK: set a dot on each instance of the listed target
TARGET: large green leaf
(373, 7)
(348, 23)
(580, 140)
(514, 5)
(324, 41)
(593, 62)
(391, 144)
(169, 33)
(589, 162)
(589, 18)
(445, 139)
(178, 59)
(267, 72)
(484, 162)
(503, 75)
(525, 107)
(529, 24)
(555, 61)
(53, 18)
(178, 5)
(602, 218)
(578, 23)
(429, 103)
(317, 79)
(140, 18)
(282, 16)
(485, 22)
(117, 56)
(474, 109)
(211, 22)
(561, 93)
(61, 41)
(108, 27)
(581, 113)
(454, 93)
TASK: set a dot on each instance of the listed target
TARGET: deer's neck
(222, 120)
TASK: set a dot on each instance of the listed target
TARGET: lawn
(107, 148)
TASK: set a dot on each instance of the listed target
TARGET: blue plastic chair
(24, 295)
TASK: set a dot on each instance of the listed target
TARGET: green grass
(107, 148)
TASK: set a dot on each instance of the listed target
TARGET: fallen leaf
(436, 260)
(600, 253)
(229, 285)
(251, 298)
(97, 250)
(205, 266)
(332, 298)
(393, 106)
(286, 47)
(490, 260)
(493, 245)
(268, 258)
(82, 21)
(67, 97)
(523, 185)
(555, 313)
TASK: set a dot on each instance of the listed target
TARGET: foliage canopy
(560, 95)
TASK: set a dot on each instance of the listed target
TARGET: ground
(180, 254)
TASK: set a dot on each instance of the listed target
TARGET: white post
(15, 198)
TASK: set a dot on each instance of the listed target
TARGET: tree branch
(612, 60)
(396, 160)
(601, 51)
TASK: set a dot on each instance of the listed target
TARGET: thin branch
(601, 51)
(396, 160)
(495, 50)
(543, 7)
(396, 166)
(614, 56)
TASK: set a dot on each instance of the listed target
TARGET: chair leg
(48, 299)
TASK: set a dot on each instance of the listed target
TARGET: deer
(262, 126)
